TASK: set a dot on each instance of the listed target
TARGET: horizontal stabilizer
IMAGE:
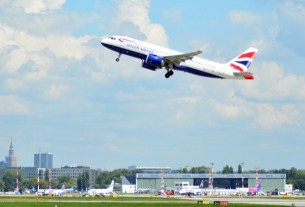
(245, 75)
(242, 74)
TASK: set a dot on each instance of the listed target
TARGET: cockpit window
(113, 38)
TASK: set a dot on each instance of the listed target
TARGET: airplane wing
(177, 59)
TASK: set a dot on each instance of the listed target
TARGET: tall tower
(11, 159)
(43, 160)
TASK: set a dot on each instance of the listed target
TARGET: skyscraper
(11, 159)
(43, 160)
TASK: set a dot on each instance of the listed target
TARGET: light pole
(242, 175)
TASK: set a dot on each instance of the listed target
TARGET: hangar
(270, 182)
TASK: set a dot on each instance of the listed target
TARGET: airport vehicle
(155, 57)
(250, 191)
(143, 190)
(102, 191)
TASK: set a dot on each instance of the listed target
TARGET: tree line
(103, 178)
(8, 182)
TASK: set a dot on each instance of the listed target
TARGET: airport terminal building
(270, 182)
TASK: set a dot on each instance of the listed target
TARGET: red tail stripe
(247, 55)
(236, 67)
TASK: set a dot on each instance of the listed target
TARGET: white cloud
(20, 48)
(187, 99)
(15, 59)
(294, 10)
(269, 117)
(259, 115)
(227, 111)
(56, 91)
(291, 21)
(14, 84)
(38, 6)
(244, 18)
(35, 75)
(271, 83)
(136, 12)
(12, 105)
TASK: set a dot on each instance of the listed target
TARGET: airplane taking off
(155, 57)
(103, 191)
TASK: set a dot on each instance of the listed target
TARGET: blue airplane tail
(259, 185)
(201, 184)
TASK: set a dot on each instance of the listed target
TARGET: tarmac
(260, 200)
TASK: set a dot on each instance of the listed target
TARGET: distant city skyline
(45, 161)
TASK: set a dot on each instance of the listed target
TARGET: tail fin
(259, 185)
(201, 184)
(63, 187)
(110, 188)
(243, 61)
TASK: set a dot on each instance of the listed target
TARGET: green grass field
(69, 204)
(106, 202)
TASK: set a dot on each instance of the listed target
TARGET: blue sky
(62, 92)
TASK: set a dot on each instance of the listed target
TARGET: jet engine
(148, 66)
(154, 60)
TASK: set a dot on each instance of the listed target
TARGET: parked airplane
(154, 57)
(102, 192)
(192, 190)
(55, 192)
(59, 192)
(250, 191)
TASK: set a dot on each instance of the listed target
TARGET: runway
(261, 201)
(270, 201)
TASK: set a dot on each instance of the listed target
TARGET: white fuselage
(197, 66)
(102, 191)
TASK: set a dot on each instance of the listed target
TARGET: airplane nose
(107, 43)
(104, 41)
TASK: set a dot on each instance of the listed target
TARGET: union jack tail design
(243, 61)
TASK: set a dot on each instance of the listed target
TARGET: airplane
(59, 192)
(191, 190)
(103, 191)
(155, 57)
(55, 192)
(70, 190)
(250, 191)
